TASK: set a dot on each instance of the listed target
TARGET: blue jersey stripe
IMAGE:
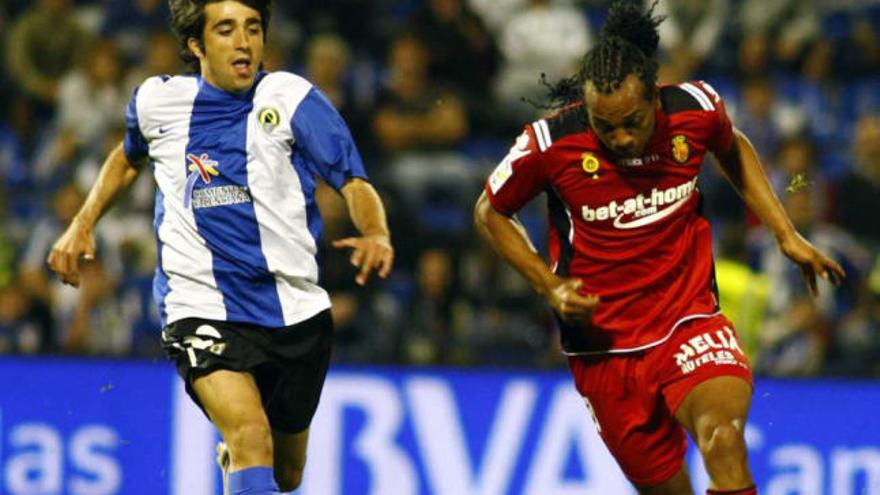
(160, 280)
(218, 140)
(133, 143)
(308, 185)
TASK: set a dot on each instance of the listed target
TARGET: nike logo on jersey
(641, 210)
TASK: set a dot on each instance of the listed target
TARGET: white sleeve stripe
(701, 97)
(546, 130)
(542, 132)
(542, 145)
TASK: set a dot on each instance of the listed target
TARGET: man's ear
(195, 46)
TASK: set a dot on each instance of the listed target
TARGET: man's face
(623, 120)
(233, 45)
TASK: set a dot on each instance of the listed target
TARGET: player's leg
(292, 389)
(679, 484)
(290, 458)
(640, 433)
(714, 413)
(232, 401)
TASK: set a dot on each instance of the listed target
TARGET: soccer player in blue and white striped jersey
(235, 153)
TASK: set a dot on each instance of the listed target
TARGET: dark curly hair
(626, 45)
(188, 21)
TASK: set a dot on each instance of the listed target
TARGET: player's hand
(811, 262)
(370, 252)
(77, 241)
(569, 303)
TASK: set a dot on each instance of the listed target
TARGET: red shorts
(633, 397)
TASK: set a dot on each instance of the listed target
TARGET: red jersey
(631, 229)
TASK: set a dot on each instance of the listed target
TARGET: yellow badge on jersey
(681, 150)
(589, 163)
(269, 118)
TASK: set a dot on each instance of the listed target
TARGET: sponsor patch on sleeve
(504, 170)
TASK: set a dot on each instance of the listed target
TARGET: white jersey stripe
(280, 207)
(185, 259)
(546, 131)
(699, 95)
(542, 145)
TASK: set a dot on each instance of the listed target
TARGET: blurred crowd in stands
(434, 92)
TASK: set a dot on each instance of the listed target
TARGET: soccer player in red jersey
(631, 276)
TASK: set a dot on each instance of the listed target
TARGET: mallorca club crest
(681, 150)
(199, 166)
(590, 164)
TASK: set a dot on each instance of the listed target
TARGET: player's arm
(116, 175)
(372, 250)
(519, 177)
(508, 237)
(742, 167)
(324, 138)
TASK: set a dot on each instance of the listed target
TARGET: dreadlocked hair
(626, 45)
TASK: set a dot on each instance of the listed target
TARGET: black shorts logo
(205, 339)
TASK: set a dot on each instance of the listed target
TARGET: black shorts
(289, 363)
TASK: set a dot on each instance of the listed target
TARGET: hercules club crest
(681, 151)
(269, 118)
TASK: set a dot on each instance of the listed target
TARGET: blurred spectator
(34, 274)
(363, 20)
(815, 92)
(797, 332)
(160, 58)
(691, 31)
(90, 105)
(462, 51)
(25, 326)
(504, 325)
(787, 25)
(858, 192)
(763, 116)
(364, 318)
(544, 38)
(417, 122)
(753, 57)
(131, 24)
(860, 52)
(743, 292)
(428, 334)
(856, 340)
(327, 66)
(90, 98)
(796, 166)
(41, 48)
(14, 171)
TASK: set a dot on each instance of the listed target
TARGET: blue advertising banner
(107, 427)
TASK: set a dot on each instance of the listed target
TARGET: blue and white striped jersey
(235, 219)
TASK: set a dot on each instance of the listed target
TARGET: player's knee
(722, 439)
(288, 477)
(250, 441)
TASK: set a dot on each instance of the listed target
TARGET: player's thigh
(231, 399)
(294, 382)
(640, 433)
(723, 399)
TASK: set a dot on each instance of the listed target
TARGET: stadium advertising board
(99, 427)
